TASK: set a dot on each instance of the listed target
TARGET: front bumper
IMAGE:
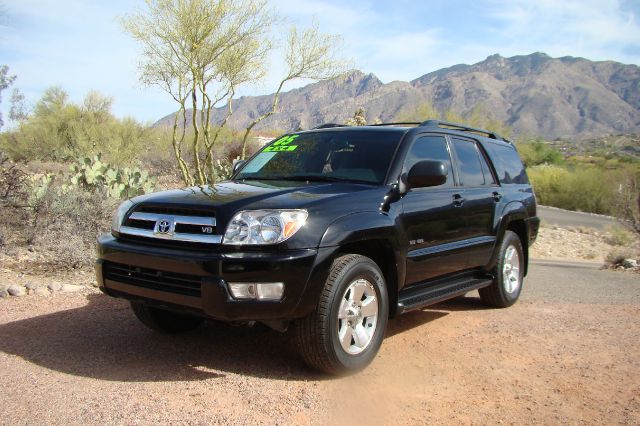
(196, 281)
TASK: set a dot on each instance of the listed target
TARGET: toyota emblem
(163, 226)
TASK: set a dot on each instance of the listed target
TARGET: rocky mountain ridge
(534, 94)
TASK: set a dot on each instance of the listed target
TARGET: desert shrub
(627, 195)
(13, 183)
(67, 222)
(618, 255)
(619, 236)
(588, 189)
(14, 194)
(58, 129)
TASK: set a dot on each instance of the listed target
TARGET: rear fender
(513, 211)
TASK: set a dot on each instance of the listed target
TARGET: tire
(337, 338)
(165, 321)
(507, 284)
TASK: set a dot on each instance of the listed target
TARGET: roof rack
(429, 123)
(329, 125)
(461, 127)
(399, 123)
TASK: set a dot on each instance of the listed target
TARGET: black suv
(334, 230)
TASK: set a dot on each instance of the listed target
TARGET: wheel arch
(513, 219)
(373, 234)
(382, 253)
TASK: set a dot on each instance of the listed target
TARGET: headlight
(118, 218)
(264, 226)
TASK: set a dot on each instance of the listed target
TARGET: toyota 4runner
(334, 230)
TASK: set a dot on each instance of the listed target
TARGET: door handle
(458, 200)
(497, 196)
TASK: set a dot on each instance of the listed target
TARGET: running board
(421, 295)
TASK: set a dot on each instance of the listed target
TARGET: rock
(4, 293)
(630, 263)
(55, 287)
(17, 290)
(31, 286)
(41, 291)
(70, 288)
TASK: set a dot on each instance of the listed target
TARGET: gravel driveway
(568, 352)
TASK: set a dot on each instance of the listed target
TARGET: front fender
(358, 227)
(353, 228)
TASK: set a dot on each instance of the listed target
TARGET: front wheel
(346, 330)
(509, 273)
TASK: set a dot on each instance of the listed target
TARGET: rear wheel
(346, 330)
(165, 321)
(507, 285)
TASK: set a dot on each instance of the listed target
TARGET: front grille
(171, 224)
(171, 282)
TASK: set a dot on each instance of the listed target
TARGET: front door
(432, 218)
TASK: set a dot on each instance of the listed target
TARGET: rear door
(480, 193)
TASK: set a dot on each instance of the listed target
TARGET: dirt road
(568, 352)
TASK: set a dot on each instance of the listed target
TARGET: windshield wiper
(310, 178)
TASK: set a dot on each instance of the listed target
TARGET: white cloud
(596, 29)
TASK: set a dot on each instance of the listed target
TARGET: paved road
(566, 353)
(566, 218)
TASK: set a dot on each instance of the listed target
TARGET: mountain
(534, 94)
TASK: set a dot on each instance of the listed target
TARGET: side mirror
(427, 173)
(237, 164)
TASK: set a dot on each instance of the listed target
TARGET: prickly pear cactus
(94, 175)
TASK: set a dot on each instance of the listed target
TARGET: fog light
(257, 291)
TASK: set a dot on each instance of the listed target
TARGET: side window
(488, 176)
(431, 148)
(469, 163)
(507, 163)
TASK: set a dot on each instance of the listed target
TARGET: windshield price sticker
(282, 144)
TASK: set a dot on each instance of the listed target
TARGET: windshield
(354, 156)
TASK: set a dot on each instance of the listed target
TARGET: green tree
(18, 111)
(309, 54)
(201, 51)
(477, 117)
(422, 112)
(359, 118)
(58, 129)
(536, 151)
(6, 81)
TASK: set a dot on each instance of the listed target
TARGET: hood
(227, 198)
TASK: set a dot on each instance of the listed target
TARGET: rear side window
(430, 148)
(469, 164)
(508, 165)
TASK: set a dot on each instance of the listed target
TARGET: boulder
(41, 291)
(55, 287)
(17, 290)
(70, 288)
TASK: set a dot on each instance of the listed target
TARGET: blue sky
(78, 44)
